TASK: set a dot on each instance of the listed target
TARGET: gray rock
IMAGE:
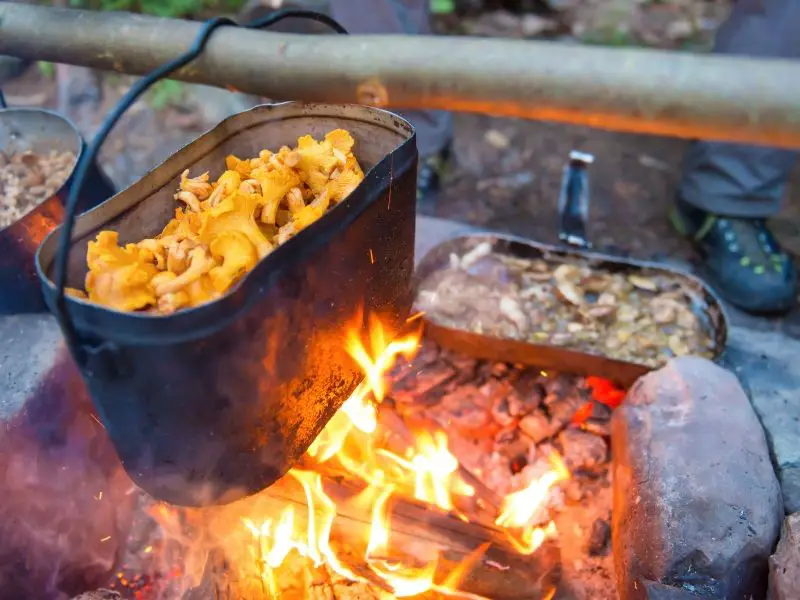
(65, 504)
(650, 590)
(99, 595)
(784, 565)
(29, 347)
(764, 360)
(697, 505)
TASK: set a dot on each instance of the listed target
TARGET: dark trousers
(736, 179)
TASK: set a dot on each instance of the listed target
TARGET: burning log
(443, 552)
(344, 525)
(486, 499)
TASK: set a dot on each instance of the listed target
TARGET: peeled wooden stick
(735, 99)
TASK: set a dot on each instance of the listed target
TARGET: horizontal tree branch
(643, 91)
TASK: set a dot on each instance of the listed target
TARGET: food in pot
(222, 229)
(645, 318)
(28, 178)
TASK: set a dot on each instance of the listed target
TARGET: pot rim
(205, 319)
(80, 148)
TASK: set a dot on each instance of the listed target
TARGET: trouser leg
(738, 179)
(434, 128)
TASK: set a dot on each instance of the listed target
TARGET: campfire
(394, 499)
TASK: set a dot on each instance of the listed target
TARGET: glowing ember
(259, 541)
(520, 507)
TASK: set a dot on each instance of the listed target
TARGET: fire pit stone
(784, 576)
(765, 361)
(65, 506)
(30, 348)
(697, 504)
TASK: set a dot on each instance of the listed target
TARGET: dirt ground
(506, 173)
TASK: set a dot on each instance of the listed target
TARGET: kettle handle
(59, 308)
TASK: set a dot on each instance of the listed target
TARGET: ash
(502, 422)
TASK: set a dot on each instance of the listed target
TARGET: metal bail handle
(573, 201)
(83, 352)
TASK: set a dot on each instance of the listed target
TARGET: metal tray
(573, 212)
(39, 130)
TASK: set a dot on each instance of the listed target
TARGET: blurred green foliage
(443, 7)
(609, 36)
(163, 8)
(47, 69)
(167, 92)
(164, 93)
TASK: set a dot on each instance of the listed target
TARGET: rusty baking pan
(502, 297)
(38, 131)
(213, 403)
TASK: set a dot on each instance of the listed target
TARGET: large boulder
(784, 565)
(65, 505)
(697, 505)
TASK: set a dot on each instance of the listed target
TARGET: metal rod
(641, 91)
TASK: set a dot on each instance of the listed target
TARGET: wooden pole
(640, 91)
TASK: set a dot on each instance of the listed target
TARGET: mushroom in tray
(644, 318)
(38, 153)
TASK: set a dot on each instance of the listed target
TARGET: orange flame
(520, 507)
(427, 471)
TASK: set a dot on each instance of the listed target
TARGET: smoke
(65, 502)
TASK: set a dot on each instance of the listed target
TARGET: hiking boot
(742, 259)
(430, 174)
